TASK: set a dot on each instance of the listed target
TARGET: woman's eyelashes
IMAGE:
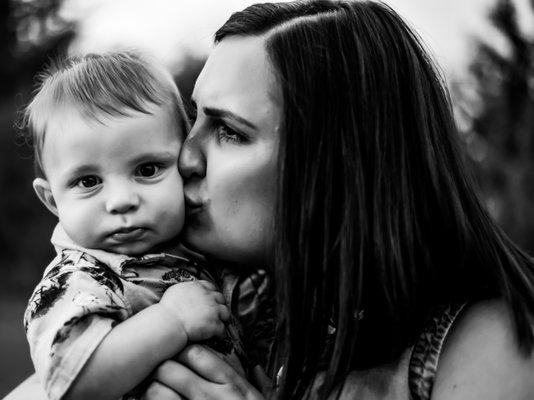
(227, 134)
(191, 112)
(221, 129)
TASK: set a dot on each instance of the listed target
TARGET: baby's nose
(122, 200)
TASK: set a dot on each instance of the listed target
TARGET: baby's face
(115, 183)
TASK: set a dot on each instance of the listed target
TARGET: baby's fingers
(219, 298)
(224, 313)
(207, 284)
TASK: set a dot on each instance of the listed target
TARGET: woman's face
(229, 159)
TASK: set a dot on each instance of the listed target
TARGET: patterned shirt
(84, 293)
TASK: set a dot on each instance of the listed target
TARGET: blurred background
(485, 49)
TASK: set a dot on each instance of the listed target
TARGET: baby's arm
(188, 311)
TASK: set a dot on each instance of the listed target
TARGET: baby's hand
(198, 307)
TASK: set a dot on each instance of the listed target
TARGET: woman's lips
(193, 205)
(192, 201)
(126, 235)
(191, 210)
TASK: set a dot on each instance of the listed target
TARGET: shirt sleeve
(78, 301)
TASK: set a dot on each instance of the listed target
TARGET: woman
(323, 149)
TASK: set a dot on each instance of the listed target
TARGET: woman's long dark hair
(378, 222)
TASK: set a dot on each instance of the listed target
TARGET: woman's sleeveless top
(425, 354)
(412, 376)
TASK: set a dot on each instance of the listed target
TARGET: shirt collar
(61, 241)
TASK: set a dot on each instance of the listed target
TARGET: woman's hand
(199, 373)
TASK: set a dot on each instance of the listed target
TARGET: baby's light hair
(113, 84)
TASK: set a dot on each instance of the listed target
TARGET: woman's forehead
(239, 74)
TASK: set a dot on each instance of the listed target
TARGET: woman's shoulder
(480, 358)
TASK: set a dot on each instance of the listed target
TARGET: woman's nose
(121, 200)
(192, 162)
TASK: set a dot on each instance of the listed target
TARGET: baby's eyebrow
(155, 155)
(81, 170)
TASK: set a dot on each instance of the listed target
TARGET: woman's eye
(88, 182)
(191, 113)
(227, 134)
(148, 170)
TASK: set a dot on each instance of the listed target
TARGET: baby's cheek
(172, 207)
(179, 214)
(81, 225)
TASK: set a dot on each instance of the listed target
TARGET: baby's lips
(126, 235)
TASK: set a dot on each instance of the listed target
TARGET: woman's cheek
(242, 200)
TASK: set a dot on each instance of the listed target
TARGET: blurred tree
(497, 124)
(30, 32)
(7, 39)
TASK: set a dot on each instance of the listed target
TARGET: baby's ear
(42, 188)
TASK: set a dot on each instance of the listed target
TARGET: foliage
(498, 124)
(25, 226)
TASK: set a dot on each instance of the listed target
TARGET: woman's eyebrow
(220, 113)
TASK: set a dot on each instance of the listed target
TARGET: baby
(121, 296)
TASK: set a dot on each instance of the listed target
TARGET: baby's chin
(130, 249)
(140, 249)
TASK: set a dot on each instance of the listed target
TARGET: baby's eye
(88, 182)
(148, 170)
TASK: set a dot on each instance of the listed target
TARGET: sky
(170, 29)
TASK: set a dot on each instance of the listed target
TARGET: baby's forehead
(98, 87)
(110, 143)
(93, 116)
(71, 120)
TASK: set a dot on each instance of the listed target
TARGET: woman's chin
(214, 249)
(200, 242)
